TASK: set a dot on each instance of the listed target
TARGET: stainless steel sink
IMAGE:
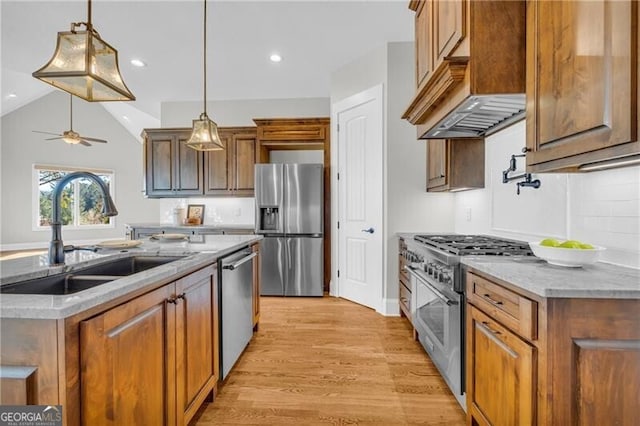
(86, 278)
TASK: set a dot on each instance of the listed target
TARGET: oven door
(437, 316)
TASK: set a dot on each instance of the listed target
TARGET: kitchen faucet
(56, 247)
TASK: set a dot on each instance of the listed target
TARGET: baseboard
(333, 288)
(390, 308)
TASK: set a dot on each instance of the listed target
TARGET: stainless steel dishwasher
(236, 307)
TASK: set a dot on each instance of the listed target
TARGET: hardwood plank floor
(330, 361)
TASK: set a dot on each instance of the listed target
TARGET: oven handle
(434, 290)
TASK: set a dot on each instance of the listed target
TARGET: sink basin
(86, 278)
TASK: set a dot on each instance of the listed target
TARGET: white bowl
(569, 257)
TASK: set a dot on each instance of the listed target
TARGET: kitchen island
(140, 349)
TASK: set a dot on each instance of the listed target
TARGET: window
(81, 201)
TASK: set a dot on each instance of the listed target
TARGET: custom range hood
(479, 116)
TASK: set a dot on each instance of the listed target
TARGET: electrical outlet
(468, 212)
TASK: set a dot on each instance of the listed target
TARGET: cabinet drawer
(401, 270)
(513, 310)
(309, 132)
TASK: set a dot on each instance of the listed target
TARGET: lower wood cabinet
(154, 359)
(502, 384)
(532, 360)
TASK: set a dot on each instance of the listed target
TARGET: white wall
(601, 208)
(407, 205)
(242, 112)
(21, 148)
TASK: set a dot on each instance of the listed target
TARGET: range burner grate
(464, 245)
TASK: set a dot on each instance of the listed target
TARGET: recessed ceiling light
(275, 58)
(12, 96)
(125, 118)
(138, 63)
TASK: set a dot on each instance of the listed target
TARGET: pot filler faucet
(56, 247)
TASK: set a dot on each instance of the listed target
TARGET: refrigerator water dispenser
(269, 218)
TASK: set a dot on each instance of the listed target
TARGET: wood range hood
(470, 68)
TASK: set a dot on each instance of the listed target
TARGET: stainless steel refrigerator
(289, 213)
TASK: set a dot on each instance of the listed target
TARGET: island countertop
(196, 255)
(538, 278)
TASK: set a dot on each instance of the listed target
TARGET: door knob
(369, 230)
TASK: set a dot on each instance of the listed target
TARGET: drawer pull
(491, 330)
(493, 301)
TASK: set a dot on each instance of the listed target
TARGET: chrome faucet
(56, 247)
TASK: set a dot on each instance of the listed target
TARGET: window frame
(35, 186)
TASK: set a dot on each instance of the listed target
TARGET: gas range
(438, 255)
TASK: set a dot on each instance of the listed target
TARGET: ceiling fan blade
(85, 143)
(93, 139)
(53, 139)
(46, 133)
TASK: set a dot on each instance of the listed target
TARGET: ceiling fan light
(204, 136)
(86, 66)
(71, 140)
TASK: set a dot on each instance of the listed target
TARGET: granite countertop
(61, 306)
(250, 226)
(535, 276)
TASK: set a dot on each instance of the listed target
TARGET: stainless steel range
(437, 303)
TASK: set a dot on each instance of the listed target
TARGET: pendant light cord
(205, 57)
(89, 26)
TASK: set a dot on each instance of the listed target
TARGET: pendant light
(85, 65)
(204, 136)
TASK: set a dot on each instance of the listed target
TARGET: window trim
(35, 196)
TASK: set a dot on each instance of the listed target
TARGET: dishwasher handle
(235, 265)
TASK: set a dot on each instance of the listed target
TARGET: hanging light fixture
(204, 136)
(85, 65)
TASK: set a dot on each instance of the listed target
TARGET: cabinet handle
(441, 176)
(172, 300)
(181, 296)
(491, 330)
(493, 301)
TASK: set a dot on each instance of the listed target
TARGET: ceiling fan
(69, 136)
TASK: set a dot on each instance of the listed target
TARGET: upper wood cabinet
(465, 48)
(174, 170)
(171, 168)
(455, 164)
(582, 82)
(231, 172)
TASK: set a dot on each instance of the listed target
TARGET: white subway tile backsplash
(602, 207)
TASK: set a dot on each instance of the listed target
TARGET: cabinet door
(448, 28)
(125, 356)
(188, 164)
(500, 373)
(244, 162)
(159, 165)
(218, 167)
(424, 48)
(196, 340)
(582, 60)
(437, 163)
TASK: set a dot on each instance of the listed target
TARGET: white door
(360, 197)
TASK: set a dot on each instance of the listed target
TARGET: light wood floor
(330, 361)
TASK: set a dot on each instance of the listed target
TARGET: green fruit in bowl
(572, 244)
(550, 242)
(586, 246)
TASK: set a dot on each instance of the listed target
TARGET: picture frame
(195, 214)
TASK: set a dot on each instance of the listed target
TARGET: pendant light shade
(204, 135)
(85, 65)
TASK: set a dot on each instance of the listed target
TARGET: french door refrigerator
(289, 214)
